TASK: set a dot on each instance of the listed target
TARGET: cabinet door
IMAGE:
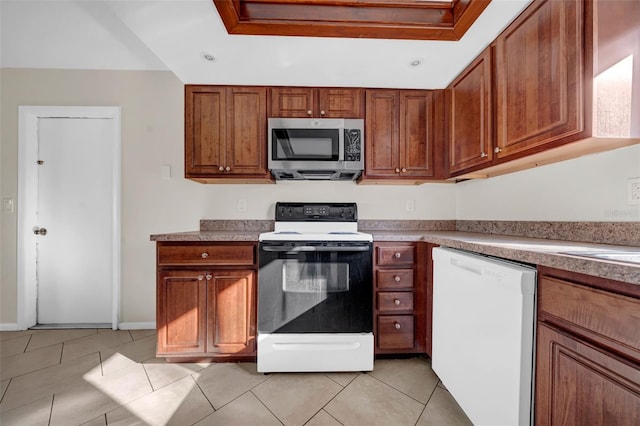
(246, 152)
(469, 100)
(539, 77)
(292, 102)
(181, 305)
(340, 103)
(205, 130)
(416, 133)
(577, 384)
(381, 133)
(231, 313)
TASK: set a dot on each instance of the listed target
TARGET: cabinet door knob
(322, 112)
(228, 169)
(404, 170)
(397, 325)
(309, 112)
(200, 277)
(396, 279)
(205, 255)
(396, 302)
(221, 168)
(209, 277)
(397, 170)
(397, 255)
(497, 149)
(483, 155)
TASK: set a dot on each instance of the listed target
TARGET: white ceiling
(173, 34)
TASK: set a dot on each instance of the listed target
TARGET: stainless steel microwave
(316, 148)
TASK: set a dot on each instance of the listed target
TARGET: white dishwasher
(483, 335)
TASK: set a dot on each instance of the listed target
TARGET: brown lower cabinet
(588, 351)
(206, 300)
(400, 320)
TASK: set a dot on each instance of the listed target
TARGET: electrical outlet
(633, 191)
(410, 205)
(242, 205)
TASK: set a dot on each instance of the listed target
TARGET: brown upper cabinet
(469, 101)
(225, 134)
(400, 131)
(541, 94)
(305, 102)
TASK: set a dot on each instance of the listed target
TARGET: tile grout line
(425, 405)
(27, 345)
(6, 389)
(393, 387)
(335, 396)
(263, 404)
(53, 398)
(204, 394)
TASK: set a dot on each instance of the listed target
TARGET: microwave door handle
(341, 145)
(297, 249)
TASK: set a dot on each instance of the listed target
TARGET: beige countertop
(537, 251)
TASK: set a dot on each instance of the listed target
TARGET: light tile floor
(105, 377)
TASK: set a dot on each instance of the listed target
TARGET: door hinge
(40, 162)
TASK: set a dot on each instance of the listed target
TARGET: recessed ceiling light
(416, 62)
(207, 56)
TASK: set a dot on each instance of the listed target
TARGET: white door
(69, 215)
(74, 257)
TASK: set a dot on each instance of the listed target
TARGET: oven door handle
(295, 249)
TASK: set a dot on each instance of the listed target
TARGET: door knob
(40, 231)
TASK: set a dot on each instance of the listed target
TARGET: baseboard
(137, 325)
(10, 326)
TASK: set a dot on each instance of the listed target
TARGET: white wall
(152, 136)
(590, 188)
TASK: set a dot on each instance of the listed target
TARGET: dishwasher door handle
(458, 263)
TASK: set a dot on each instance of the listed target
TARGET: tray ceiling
(388, 19)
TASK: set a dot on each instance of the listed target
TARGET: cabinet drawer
(206, 254)
(599, 314)
(395, 278)
(395, 332)
(399, 255)
(389, 301)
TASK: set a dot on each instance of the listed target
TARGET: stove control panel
(316, 212)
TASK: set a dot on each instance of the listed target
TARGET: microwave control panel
(352, 145)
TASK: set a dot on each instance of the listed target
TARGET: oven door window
(314, 278)
(305, 144)
(315, 292)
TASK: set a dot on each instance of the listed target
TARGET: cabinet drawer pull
(397, 325)
(396, 278)
(396, 301)
(397, 170)
(200, 277)
(221, 168)
(497, 149)
(309, 112)
(322, 112)
(404, 170)
(228, 169)
(483, 155)
(397, 255)
(209, 277)
(205, 255)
